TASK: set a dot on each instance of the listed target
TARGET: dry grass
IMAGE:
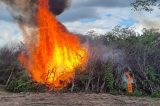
(72, 99)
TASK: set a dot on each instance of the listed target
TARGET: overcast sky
(84, 15)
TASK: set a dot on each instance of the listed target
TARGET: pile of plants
(142, 58)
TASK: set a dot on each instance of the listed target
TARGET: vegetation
(140, 54)
(146, 5)
(12, 74)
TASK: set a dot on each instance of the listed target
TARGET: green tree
(146, 5)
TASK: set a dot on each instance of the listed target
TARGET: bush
(151, 83)
(156, 94)
(84, 79)
(21, 83)
(137, 93)
(109, 79)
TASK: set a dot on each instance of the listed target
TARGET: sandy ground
(72, 99)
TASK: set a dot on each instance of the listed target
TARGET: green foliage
(149, 36)
(156, 94)
(84, 78)
(132, 40)
(136, 93)
(109, 79)
(152, 81)
(19, 83)
(150, 72)
(141, 54)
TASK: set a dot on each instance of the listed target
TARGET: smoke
(107, 53)
(58, 6)
(147, 20)
(151, 23)
(99, 51)
(24, 10)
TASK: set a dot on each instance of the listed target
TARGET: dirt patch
(72, 99)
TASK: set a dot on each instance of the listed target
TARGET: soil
(73, 99)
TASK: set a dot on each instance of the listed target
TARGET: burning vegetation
(56, 58)
(57, 53)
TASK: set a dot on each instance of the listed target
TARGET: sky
(85, 15)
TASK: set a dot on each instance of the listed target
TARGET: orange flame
(129, 85)
(57, 54)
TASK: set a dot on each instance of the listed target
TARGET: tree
(146, 5)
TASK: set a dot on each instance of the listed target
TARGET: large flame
(57, 54)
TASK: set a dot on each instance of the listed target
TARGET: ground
(73, 99)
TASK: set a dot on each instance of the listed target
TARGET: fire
(129, 85)
(57, 53)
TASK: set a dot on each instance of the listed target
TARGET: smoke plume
(24, 10)
(105, 53)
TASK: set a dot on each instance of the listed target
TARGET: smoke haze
(24, 10)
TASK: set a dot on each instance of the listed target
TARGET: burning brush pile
(52, 61)
(56, 58)
(51, 53)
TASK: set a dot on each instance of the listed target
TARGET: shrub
(84, 79)
(109, 79)
(137, 93)
(19, 83)
(22, 83)
(151, 83)
(156, 94)
(8, 62)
